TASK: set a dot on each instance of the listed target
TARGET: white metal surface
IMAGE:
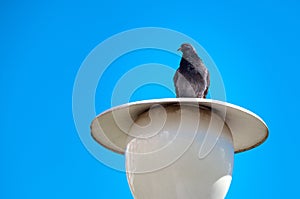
(111, 128)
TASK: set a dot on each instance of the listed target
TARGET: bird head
(186, 48)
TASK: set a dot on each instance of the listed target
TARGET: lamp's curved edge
(253, 146)
(107, 133)
(260, 121)
(119, 151)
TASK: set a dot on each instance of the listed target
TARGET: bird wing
(198, 84)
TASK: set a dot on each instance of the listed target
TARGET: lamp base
(179, 151)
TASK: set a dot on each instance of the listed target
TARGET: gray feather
(192, 77)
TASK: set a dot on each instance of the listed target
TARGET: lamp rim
(248, 129)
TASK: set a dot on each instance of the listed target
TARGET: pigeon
(192, 77)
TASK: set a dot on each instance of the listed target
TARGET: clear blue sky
(255, 45)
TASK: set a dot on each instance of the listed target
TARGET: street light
(179, 147)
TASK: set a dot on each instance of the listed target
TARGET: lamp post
(179, 147)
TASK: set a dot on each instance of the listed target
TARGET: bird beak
(179, 49)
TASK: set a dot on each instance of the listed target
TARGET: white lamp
(179, 147)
